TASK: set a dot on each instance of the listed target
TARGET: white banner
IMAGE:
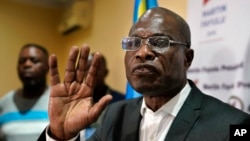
(220, 32)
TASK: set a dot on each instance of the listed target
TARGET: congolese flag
(140, 7)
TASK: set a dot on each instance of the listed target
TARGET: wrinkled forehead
(156, 23)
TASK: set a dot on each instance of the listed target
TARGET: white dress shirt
(155, 125)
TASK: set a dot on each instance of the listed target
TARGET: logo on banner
(236, 102)
(239, 132)
(205, 2)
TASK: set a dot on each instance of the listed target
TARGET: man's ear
(189, 57)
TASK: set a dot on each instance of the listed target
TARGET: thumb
(98, 107)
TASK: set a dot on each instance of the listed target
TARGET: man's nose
(145, 52)
(28, 63)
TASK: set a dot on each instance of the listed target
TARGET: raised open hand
(71, 107)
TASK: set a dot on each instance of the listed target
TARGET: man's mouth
(144, 69)
(27, 74)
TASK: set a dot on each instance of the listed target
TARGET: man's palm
(71, 107)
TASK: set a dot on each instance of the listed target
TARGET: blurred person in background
(24, 111)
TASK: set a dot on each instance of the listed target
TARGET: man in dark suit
(172, 108)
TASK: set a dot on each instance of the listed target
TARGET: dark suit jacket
(201, 118)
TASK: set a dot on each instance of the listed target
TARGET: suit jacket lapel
(131, 131)
(187, 116)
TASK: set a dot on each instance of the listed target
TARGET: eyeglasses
(156, 43)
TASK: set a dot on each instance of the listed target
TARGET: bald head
(164, 21)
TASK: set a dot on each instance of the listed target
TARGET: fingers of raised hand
(77, 69)
(82, 63)
(70, 73)
(54, 74)
(93, 70)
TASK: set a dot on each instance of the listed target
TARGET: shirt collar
(174, 105)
